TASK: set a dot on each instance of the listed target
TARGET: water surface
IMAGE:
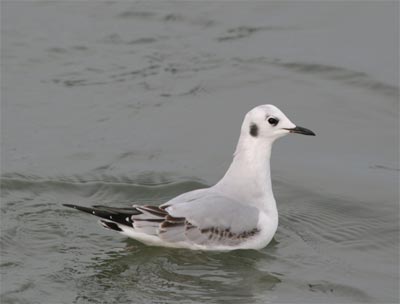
(120, 102)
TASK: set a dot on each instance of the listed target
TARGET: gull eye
(273, 121)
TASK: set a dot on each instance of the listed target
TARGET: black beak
(301, 130)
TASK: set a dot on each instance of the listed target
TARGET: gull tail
(114, 217)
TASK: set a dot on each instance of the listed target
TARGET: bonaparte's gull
(239, 212)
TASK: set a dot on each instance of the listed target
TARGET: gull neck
(248, 178)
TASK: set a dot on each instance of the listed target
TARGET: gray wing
(207, 217)
(202, 217)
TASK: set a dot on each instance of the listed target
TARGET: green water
(116, 103)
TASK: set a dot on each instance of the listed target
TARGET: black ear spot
(253, 130)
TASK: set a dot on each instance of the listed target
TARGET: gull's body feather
(239, 212)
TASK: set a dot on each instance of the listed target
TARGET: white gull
(239, 212)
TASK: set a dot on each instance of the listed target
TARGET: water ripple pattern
(121, 102)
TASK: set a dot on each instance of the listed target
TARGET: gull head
(269, 123)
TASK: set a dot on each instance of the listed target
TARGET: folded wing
(198, 217)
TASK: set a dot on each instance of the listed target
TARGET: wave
(144, 187)
(344, 75)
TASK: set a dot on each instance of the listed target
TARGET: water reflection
(159, 274)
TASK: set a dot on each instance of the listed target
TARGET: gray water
(118, 102)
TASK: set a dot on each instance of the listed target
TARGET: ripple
(247, 31)
(101, 188)
(41, 230)
(339, 290)
(157, 275)
(355, 78)
(344, 75)
(334, 231)
(387, 168)
(136, 14)
(338, 227)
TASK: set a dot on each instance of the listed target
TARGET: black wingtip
(80, 208)
(117, 215)
(69, 206)
(110, 225)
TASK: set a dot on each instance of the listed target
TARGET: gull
(238, 212)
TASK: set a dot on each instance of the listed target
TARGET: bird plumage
(239, 212)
